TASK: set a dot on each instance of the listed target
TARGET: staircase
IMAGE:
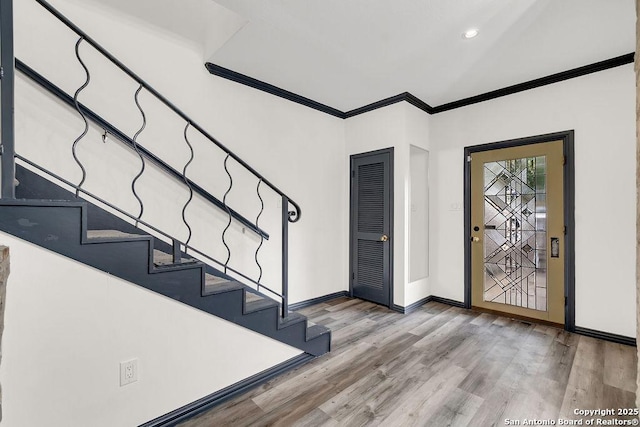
(62, 226)
(48, 215)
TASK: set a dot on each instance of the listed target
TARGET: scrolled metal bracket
(294, 216)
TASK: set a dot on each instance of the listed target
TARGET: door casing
(567, 138)
(352, 216)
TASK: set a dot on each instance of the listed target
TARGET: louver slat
(370, 263)
(371, 198)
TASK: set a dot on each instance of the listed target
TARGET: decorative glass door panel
(515, 232)
(517, 215)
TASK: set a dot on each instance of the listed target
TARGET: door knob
(384, 238)
(475, 239)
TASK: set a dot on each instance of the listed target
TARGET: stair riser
(225, 305)
(296, 332)
(262, 321)
(319, 345)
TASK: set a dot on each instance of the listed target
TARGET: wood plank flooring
(438, 366)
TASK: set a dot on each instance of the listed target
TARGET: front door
(371, 226)
(517, 231)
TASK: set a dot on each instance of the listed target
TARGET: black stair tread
(250, 296)
(212, 280)
(292, 319)
(215, 285)
(113, 235)
(315, 331)
(41, 202)
(162, 258)
(258, 305)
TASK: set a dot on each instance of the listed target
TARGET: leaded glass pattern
(515, 232)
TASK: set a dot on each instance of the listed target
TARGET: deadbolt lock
(384, 238)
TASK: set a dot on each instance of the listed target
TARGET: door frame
(567, 138)
(352, 158)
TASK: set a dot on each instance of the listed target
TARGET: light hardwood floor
(438, 366)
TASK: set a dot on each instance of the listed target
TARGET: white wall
(68, 326)
(419, 214)
(600, 108)
(418, 238)
(399, 126)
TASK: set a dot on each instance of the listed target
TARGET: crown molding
(414, 100)
(405, 96)
(543, 81)
(273, 90)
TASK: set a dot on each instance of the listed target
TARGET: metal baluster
(224, 202)
(84, 118)
(186, 181)
(135, 147)
(7, 96)
(261, 237)
(286, 215)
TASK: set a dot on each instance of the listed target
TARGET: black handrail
(292, 217)
(114, 131)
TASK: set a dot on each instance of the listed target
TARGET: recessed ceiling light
(470, 33)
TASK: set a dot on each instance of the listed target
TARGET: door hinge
(1, 72)
(353, 276)
(468, 159)
(566, 301)
(564, 230)
(564, 160)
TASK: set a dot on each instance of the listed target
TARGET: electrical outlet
(128, 372)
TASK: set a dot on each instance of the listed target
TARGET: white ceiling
(349, 53)
(202, 24)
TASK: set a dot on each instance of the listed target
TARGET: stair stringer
(60, 226)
